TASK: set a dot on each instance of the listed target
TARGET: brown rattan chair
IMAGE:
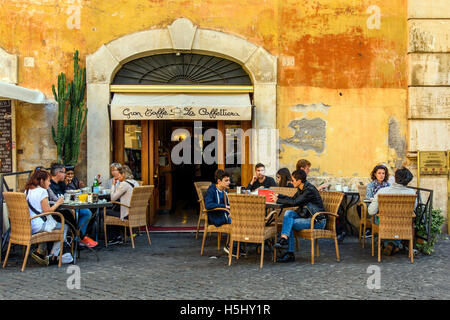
(20, 221)
(199, 186)
(248, 223)
(396, 214)
(137, 213)
(209, 228)
(331, 201)
(365, 221)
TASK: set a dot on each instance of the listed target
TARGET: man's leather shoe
(288, 257)
(283, 242)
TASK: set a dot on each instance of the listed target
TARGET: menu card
(5, 137)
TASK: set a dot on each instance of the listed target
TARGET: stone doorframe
(182, 35)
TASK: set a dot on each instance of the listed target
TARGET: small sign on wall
(433, 162)
(6, 161)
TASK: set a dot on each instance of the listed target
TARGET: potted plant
(437, 220)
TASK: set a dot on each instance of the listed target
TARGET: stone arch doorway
(180, 36)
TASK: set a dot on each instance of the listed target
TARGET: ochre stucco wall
(331, 53)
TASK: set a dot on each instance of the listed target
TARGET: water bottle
(95, 185)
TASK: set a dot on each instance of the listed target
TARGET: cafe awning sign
(181, 106)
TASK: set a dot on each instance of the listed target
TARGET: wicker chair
(209, 228)
(331, 201)
(290, 192)
(248, 223)
(365, 221)
(396, 214)
(137, 214)
(20, 221)
(199, 186)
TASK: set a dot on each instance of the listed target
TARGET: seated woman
(379, 177)
(37, 197)
(114, 168)
(284, 178)
(122, 189)
(402, 178)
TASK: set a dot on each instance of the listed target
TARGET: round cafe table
(76, 206)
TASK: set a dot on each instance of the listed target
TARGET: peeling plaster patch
(311, 107)
(421, 41)
(308, 134)
(396, 142)
(28, 62)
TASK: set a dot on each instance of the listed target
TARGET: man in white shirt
(402, 177)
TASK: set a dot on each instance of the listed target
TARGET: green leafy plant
(437, 220)
(71, 114)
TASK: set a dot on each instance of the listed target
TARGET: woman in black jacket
(309, 202)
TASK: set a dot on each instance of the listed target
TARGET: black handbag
(305, 213)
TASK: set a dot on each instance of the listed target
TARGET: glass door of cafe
(146, 147)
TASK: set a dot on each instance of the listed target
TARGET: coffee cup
(338, 188)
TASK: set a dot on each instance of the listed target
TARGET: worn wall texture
(343, 75)
(429, 87)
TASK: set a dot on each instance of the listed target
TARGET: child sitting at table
(216, 198)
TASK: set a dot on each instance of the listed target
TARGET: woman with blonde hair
(122, 189)
(114, 168)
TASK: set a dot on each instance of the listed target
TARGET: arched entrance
(180, 37)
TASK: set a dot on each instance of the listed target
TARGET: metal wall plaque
(433, 162)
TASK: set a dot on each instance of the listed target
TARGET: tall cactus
(75, 119)
(59, 137)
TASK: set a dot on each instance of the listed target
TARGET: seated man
(57, 189)
(305, 165)
(402, 177)
(71, 181)
(308, 201)
(259, 180)
(216, 198)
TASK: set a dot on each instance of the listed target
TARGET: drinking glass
(83, 197)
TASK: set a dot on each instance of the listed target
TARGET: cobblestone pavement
(172, 268)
